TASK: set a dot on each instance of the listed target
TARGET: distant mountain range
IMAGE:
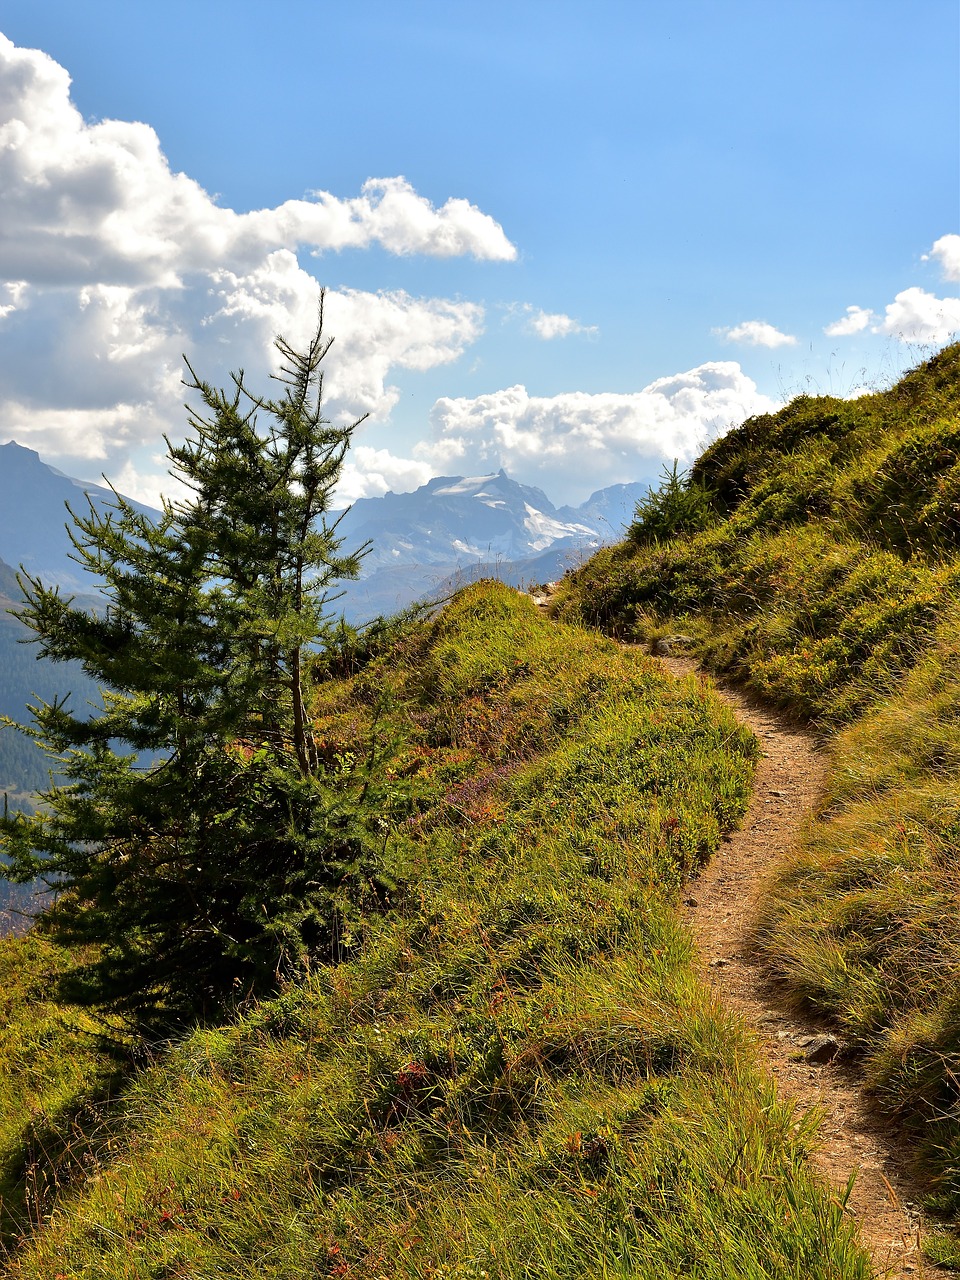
(456, 528)
(33, 516)
(422, 545)
(33, 519)
(457, 519)
(453, 528)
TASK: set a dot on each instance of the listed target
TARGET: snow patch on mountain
(544, 530)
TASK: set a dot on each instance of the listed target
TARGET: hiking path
(804, 1057)
(720, 907)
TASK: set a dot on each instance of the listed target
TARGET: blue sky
(622, 226)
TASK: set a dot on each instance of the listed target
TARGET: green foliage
(516, 1071)
(54, 1077)
(200, 841)
(682, 504)
(914, 501)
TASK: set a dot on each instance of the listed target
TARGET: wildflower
(412, 1075)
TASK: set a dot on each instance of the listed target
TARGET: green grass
(54, 1078)
(862, 923)
(824, 574)
(516, 1073)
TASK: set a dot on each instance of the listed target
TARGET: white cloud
(389, 212)
(98, 203)
(373, 332)
(855, 321)
(369, 473)
(90, 434)
(947, 251)
(578, 441)
(111, 266)
(117, 352)
(756, 333)
(383, 331)
(150, 486)
(12, 294)
(916, 316)
(549, 325)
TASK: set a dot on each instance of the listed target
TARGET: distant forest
(24, 678)
(24, 769)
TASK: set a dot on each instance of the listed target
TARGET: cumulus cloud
(11, 294)
(578, 440)
(756, 333)
(111, 265)
(374, 332)
(389, 212)
(150, 486)
(558, 325)
(94, 372)
(384, 331)
(855, 321)
(98, 203)
(370, 473)
(916, 316)
(946, 250)
(549, 325)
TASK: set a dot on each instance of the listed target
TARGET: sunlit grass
(828, 581)
(517, 1072)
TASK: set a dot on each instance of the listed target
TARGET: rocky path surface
(720, 908)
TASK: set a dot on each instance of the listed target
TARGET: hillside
(814, 556)
(510, 1063)
(513, 1070)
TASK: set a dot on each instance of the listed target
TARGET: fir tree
(198, 840)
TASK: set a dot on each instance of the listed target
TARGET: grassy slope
(821, 566)
(517, 1073)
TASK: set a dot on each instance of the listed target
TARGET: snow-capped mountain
(452, 527)
(460, 520)
(455, 528)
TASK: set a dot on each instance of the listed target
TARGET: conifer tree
(198, 840)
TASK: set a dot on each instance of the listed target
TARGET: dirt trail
(720, 907)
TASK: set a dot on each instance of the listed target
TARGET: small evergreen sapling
(198, 839)
(681, 504)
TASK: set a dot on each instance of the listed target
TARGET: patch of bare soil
(720, 907)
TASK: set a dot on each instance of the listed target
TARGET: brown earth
(720, 908)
